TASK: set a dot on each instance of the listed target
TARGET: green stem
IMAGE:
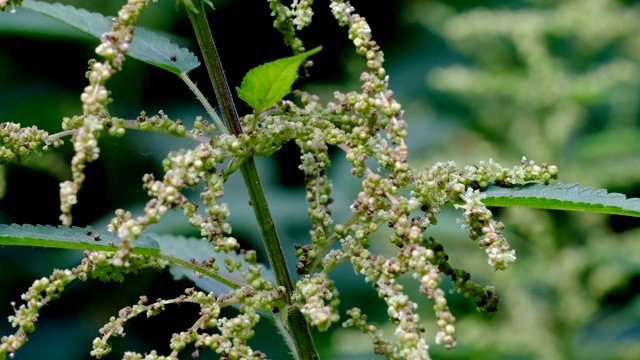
(297, 324)
(298, 327)
(214, 67)
(267, 226)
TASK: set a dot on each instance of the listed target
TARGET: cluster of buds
(302, 13)
(17, 144)
(85, 144)
(445, 182)
(382, 273)
(479, 219)
(95, 98)
(381, 346)
(4, 4)
(44, 290)
(287, 19)
(116, 42)
(311, 293)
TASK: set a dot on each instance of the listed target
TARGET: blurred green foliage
(556, 81)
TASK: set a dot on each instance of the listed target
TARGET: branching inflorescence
(367, 125)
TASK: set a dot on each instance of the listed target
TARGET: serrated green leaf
(270, 82)
(177, 250)
(63, 237)
(146, 46)
(561, 196)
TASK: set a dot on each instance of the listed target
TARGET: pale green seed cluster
(316, 134)
(381, 346)
(382, 273)
(17, 144)
(95, 99)
(159, 122)
(420, 260)
(183, 169)
(286, 20)
(115, 43)
(94, 265)
(4, 4)
(85, 145)
(445, 182)
(311, 294)
(479, 219)
(230, 342)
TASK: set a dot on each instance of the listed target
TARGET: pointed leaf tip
(264, 85)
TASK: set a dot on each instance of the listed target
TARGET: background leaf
(270, 82)
(146, 46)
(562, 197)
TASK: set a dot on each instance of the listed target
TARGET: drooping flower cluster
(85, 145)
(445, 182)
(310, 294)
(230, 342)
(95, 98)
(44, 290)
(17, 144)
(357, 120)
(288, 19)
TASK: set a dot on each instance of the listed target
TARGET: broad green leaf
(270, 82)
(63, 237)
(178, 251)
(146, 46)
(562, 197)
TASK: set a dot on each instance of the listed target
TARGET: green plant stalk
(214, 67)
(214, 116)
(297, 324)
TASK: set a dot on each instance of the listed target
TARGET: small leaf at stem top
(270, 82)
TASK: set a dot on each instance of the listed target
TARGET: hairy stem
(297, 324)
(214, 116)
(298, 327)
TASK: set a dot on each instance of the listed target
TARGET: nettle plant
(366, 125)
